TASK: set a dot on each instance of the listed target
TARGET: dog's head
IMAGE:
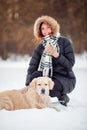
(42, 85)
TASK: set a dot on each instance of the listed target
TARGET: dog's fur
(37, 96)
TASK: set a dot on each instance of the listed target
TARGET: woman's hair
(40, 33)
(48, 20)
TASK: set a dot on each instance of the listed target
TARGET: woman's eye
(42, 28)
(48, 27)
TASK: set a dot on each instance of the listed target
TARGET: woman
(53, 57)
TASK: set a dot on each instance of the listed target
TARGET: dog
(36, 96)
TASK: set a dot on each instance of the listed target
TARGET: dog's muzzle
(42, 91)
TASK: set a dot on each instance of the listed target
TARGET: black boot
(64, 99)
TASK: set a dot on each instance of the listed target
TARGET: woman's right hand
(51, 50)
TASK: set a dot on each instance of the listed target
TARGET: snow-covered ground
(72, 117)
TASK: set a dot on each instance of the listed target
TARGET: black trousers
(56, 91)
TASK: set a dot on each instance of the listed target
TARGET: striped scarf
(45, 64)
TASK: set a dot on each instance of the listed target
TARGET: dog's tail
(7, 104)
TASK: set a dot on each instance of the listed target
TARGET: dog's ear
(51, 84)
(33, 83)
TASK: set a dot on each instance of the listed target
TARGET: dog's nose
(42, 91)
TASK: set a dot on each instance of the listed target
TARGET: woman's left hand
(51, 50)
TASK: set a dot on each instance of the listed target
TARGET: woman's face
(46, 29)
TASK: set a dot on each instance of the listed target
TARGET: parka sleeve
(34, 62)
(67, 59)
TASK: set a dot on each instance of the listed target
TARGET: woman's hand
(51, 50)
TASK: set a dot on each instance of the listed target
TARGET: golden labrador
(37, 96)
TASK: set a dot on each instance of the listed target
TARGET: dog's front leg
(54, 107)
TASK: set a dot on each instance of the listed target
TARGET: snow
(72, 117)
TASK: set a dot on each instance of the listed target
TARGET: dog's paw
(54, 107)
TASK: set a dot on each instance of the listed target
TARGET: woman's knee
(57, 86)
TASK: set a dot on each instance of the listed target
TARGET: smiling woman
(53, 57)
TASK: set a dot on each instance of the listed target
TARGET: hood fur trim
(51, 21)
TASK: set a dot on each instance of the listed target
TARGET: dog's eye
(39, 84)
(45, 84)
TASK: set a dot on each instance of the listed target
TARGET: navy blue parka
(63, 75)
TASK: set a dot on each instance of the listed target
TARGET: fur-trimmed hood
(51, 21)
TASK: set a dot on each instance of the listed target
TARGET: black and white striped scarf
(45, 64)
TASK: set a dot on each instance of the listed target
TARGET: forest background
(17, 18)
